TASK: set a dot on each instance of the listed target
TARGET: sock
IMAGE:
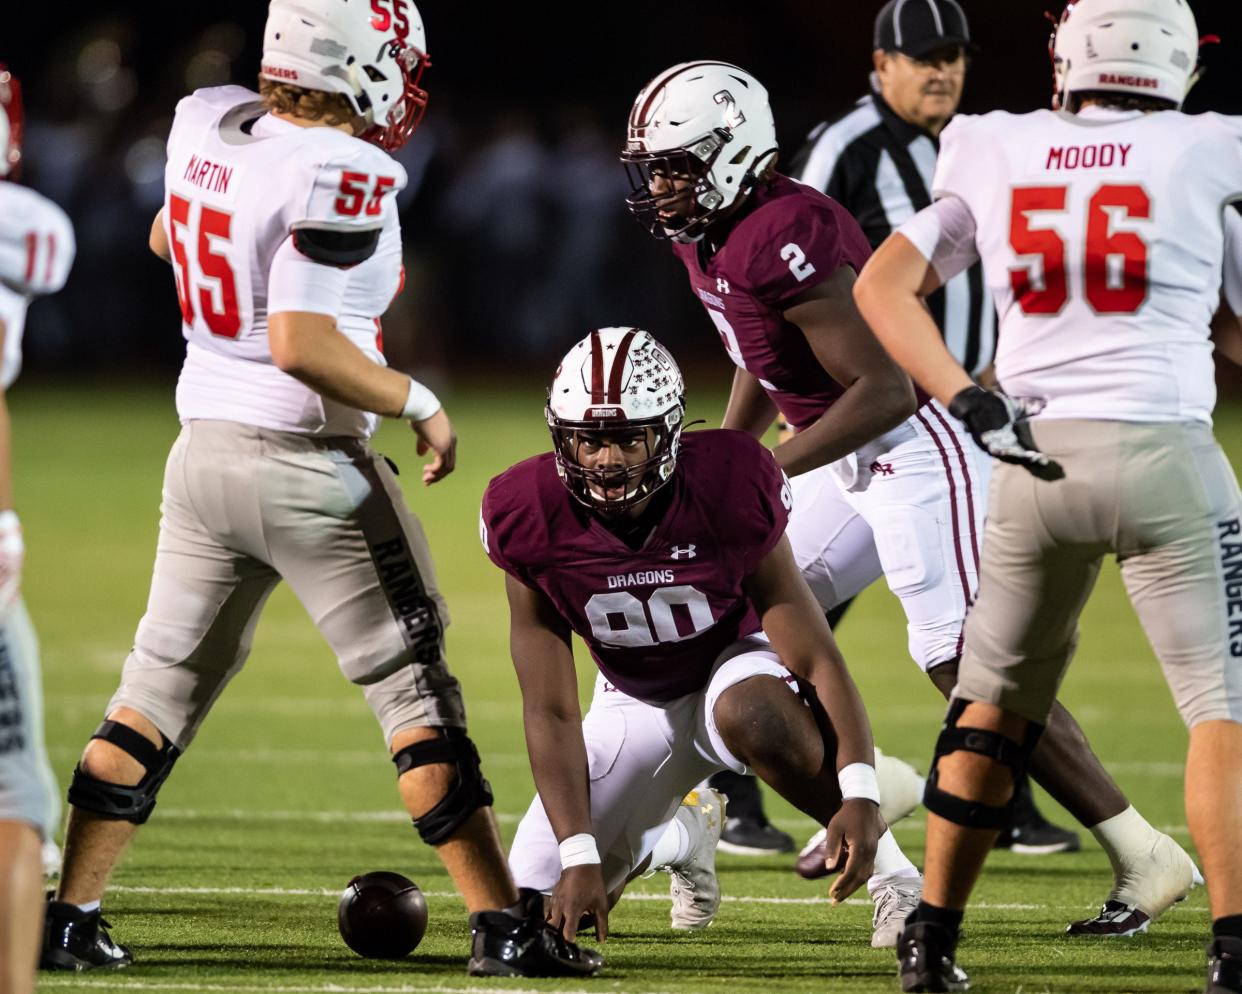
(1228, 927)
(946, 918)
(673, 846)
(88, 906)
(890, 863)
(745, 801)
(1125, 837)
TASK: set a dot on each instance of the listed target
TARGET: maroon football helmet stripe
(640, 118)
(597, 370)
(618, 367)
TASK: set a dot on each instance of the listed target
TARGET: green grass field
(287, 792)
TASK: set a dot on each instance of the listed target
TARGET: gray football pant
(28, 789)
(1162, 498)
(244, 507)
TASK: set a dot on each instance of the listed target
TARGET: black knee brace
(114, 800)
(972, 814)
(469, 790)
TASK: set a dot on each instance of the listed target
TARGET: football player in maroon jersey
(885, 482)
(666, 554)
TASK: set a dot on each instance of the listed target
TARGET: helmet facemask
(13, 120)
(693, 165)
(659, 439)
(407, 112)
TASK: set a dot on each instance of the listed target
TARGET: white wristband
(9, 520)
(858, 780)
(578, 849)
(420, 403)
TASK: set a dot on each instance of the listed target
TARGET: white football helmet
(11, 120)
(708, 122)
(1147, 48)
(372, 51)
(616, 382)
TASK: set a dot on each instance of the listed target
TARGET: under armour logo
(883, 468)
(722, 285)
(683, 552)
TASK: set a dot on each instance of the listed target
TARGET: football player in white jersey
(36, 251)
(281, 227)
(1101, 231)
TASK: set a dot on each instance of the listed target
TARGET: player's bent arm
(749, 408)
(539, 641)
(158, 240)
(310, 348)
(878, 396)
(798, 632)
(890, 296)
(795, 625)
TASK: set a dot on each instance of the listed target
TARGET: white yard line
(155, 985)
(397, 816)
(630, 896)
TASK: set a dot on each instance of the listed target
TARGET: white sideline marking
(630, 896)
(155, 985)
(324, 817)
(395, 816)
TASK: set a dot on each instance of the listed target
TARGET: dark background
(517, 238)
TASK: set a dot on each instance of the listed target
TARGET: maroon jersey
(793, 238)
(656, 618)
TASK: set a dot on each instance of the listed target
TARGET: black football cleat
(78, 940)
(1224, 966)
(1030, 833)
(753, 837)
(520, 943)
(925, 959)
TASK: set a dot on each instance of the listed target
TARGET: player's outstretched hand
(997, 423)
(853, 834)
(580, 891)
(435, 434)
(12, 552)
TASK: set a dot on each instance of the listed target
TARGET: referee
(877, 160)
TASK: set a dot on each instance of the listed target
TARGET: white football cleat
(693, 884)
(1143, 891)
(901, 787)
(895, 899)
(51, 860)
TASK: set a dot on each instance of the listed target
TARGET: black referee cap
(916, 27)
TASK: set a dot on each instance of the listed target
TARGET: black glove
(996, 423)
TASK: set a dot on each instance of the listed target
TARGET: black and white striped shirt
(880, 168)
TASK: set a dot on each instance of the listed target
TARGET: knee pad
(1014, 755)
(468, 792)
(114, 800)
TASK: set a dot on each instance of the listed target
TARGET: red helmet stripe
(618, 367)
(597, 369)
(640, 121)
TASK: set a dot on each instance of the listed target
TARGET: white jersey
(239, 183)
(1102, 240)
(36, 253)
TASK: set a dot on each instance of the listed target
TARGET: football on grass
(382, 915)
